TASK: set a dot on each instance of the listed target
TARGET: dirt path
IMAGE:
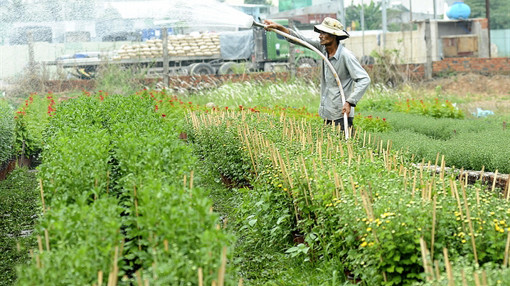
(486, 92)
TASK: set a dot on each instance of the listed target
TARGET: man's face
(326, 39)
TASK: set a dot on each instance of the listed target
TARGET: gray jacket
(354, 79)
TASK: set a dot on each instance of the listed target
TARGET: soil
(486, 92)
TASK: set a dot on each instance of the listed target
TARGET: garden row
(19, 208)
(118, 199)
(7, 136)
(355, 202)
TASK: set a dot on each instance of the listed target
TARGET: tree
(373, 16)
(499, 11)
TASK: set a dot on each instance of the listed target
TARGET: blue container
(459, 10)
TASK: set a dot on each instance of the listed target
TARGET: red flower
(156, 107)
(163, 115)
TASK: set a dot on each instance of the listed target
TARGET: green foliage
(372, 13)
(470, 144)
(31, 119)
(112, 168)
(435, 109)
(361, 212)
(371, 124)
(6, 133)
(19, 210)
(82, 239)
(498, 12)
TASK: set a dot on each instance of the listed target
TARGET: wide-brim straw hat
(332, 26)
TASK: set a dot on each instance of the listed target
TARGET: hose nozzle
(257, 24)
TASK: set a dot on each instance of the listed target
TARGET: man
(353, 77)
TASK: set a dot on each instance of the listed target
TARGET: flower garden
(154, 188)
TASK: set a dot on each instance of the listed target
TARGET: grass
(297, 93)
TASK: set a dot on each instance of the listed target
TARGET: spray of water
(206, 13)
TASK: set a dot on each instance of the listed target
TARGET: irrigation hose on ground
(346, 129)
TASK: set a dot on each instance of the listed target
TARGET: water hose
(346, 125)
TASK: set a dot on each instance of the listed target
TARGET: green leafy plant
(6, 133)
(19, 210)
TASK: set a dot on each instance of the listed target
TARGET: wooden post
(164, 36)
(448, 266)
(428, 45)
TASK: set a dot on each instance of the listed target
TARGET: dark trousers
(341, 122)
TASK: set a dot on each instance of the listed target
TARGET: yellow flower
(463, 241)
(370, 244)
(369, 229)
(364, 244)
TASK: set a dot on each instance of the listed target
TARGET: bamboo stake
(507, 251)
(459, 205)
(100, 278)
(337, 185)
(251, 157)
(240, 282)
(42, 195)
(405, 179)
(426, 265)
(354, 192)
(39, 243)
(221, 273)
(414, 183)
(191, 181)
(436, 266)
(307, 179)
(200, 277)
(508, 189)
(115, 266)
(448, 266)
(473, 243)
(165, 243)
(433, 229)
(494, 181)
(476, 278)
(484, 278)
(47, 238)
(38, 261)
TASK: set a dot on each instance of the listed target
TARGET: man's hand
(272, 25)
(347, 108)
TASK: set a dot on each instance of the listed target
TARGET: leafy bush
(18, 212)
(371, 124)
(435, 109)
(115, 164)
(351, 203)
(6, 133)
(31, 119)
